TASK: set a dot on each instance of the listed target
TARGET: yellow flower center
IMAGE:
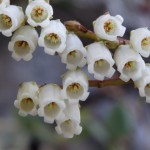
(67, 121)
(52, 38)
(148, 86)
(22, 44)
(75, 87)
(73, 54)
(130, 65)
(5, 21)
(108, 26)
(38, 11)
(146, 41)
(39, 14)
(51, 105)
(100, 62)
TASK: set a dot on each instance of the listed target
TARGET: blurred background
(113, 118)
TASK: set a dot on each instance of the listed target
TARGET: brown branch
(105, 83)
(80, 30)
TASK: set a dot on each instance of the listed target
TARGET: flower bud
(100, 62)
(69, 123)
(109, 27)
(51, 104)
(27, 99)
(38, 13)
(129, 63)
(75, 86)
(22, 45)
(74, 54)
(11, 18)
(53, 37)
(140, 41)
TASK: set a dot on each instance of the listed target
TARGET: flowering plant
(60, 103)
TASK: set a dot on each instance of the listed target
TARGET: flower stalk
(105, 83)
(82, 31)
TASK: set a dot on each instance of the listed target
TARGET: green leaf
(118, 123)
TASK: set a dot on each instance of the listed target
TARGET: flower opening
(109, 26)
(68, 126)
(27, 104)
(39, 14)
(130, 66)
(51, 110)
(147, 90)
(5, 22)
(52, 40)
(74, 57)
(101, 66)
(21, 48)
(146, 43)
(75, 90)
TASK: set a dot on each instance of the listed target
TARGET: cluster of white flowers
(128, 58)
(62, 105)
(56, 104)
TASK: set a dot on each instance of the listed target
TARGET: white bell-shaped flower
(4, 3)
(11, 18)
(68, 123)
(51, 104)
(140, 41)
(27, 99)
(100, 61)
(75, 86)
(23, 43)
(38, 13)
(143, 84)
(53, 37)
(74, 54)
(129, 63)
(109, 27)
